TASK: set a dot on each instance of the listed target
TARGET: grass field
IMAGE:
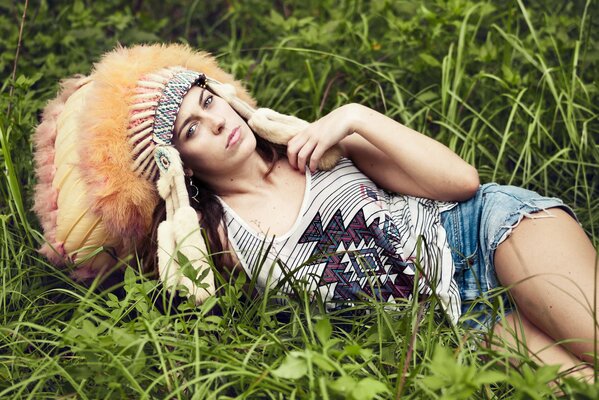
(511, 87)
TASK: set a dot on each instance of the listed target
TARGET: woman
(355, 206)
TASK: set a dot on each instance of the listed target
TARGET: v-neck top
(352, 241)
(277, 238)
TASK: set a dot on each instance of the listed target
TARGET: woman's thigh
(550, 266)
(475, 229)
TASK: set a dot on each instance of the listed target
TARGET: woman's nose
(216, 123)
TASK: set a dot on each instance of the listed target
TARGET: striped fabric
(351, 241)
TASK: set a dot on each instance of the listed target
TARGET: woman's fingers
(309, 145)
(294, 146)
(306, 149)
(316, 156)
(305, 154)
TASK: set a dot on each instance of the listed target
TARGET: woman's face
(210, 136)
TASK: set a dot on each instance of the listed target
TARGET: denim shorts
(474, 230)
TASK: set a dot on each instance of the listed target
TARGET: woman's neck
(249, 179)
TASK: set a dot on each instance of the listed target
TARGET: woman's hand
(308, 146)
(394, 156)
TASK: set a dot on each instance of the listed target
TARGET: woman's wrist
(354, 115)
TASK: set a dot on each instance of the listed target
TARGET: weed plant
(511, 87)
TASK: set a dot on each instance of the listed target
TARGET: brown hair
(211, 216)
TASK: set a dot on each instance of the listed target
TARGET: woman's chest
(277, 211)
(273, 216)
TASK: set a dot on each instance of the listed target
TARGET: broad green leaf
(293, 367)
(323, 329)
(487, 377)
(122, 338)
(344, 384)
(323, 362)
(353, 349)
(367, 388)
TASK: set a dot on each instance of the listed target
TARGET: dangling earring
(195, 191)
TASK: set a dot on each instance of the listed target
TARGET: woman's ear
(188, 172)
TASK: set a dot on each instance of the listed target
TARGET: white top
(352, 240)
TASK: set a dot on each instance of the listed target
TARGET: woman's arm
(395, 157)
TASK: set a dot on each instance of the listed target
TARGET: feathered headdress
(104, 156)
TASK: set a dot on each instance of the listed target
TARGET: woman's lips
(233, 137)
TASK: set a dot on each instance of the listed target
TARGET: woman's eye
(208, 101)
(191, 130)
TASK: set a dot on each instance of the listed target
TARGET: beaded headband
(168, 106)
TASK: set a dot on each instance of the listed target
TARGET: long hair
(211, 214)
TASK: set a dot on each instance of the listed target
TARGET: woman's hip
(476, 227)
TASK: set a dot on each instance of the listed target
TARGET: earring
(195, 191)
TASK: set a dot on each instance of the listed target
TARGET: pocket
(463, 260)
(462, 239)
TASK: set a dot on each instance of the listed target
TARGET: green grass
(510, 87)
